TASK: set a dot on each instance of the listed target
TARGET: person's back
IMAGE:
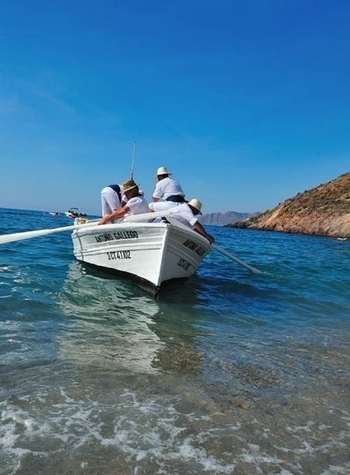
(168, 189)
(167, 193)
(111, 198)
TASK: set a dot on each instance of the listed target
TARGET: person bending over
(112, 198)
(135, 203)
(187, 213)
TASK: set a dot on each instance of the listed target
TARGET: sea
(232, 372)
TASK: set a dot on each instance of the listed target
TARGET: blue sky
(247, 102)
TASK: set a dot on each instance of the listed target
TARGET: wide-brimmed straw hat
(129, 185)
(195, 204)
(162, 171)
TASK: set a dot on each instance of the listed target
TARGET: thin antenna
(132, 161)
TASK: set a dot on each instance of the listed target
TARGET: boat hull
(152, 253)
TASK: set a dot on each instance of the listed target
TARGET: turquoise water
(232, 373)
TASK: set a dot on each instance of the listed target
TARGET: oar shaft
(7, 238)
(236, 259)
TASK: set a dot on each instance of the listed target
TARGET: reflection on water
(109, 323)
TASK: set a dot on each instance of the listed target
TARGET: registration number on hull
(114, 255)
(183, 263)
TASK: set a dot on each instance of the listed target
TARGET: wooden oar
(234, 258)
(6, 238)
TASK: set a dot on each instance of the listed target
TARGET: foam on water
(140, 430)
(160, 434)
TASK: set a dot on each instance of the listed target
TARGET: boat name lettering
(125, 235)
(114, 255)
(116, 236)
(194, 247)
(183, 263)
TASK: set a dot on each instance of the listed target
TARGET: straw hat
(162, 171)
(129, 185)
(195, 204)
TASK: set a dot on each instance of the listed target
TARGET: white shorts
(162, 205)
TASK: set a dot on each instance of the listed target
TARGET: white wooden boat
(154, 254)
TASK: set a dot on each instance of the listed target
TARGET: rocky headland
(323, 211)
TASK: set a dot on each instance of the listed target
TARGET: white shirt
(138, 205)
(167, 187)
(185, 215)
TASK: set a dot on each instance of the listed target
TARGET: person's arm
(158, 192)
(117, 214)
(200, 230)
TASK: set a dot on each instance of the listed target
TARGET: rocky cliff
(324, 211)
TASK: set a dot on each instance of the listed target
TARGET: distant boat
(74, 213)
(54, 213)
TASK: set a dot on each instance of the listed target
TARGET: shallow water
(232, 373)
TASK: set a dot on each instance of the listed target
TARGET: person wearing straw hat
(135, 203)
(112, 198)
(187, 213)
(167, 193)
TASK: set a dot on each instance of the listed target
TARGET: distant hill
(221, 219)
(323, 211)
